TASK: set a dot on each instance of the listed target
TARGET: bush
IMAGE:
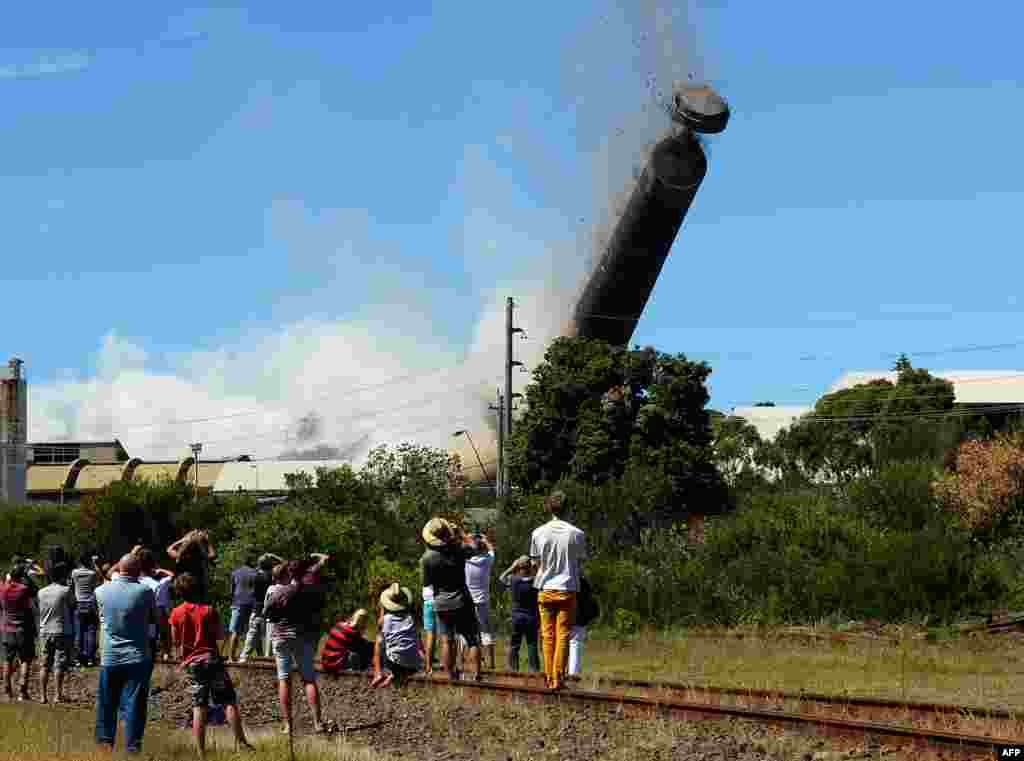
(898, 496)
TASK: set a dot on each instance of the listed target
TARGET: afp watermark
(1010, 751)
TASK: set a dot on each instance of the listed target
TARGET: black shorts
(460, 621)
(208, 679)
(399, 671)
(21, 645)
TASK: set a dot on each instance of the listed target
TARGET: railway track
(867, 720)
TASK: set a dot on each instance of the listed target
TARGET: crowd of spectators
(122, 617)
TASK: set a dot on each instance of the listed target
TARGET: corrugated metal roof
(265, 475)
(969, 386)
(209, 472)
(94, 477)
(770, 420)
(155, 471)
(45, 477)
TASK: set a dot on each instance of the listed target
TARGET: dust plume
(332, 387)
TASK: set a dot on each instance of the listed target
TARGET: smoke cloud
(322, 388)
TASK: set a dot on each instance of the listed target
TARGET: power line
(975, 412)
(324, 395)
(979, 379)
(814, 356)
(351, 418)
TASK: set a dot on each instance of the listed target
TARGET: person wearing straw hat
(444, 570)
(397, 651)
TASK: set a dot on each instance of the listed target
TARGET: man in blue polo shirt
(127, 608)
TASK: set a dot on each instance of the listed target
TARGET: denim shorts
(483, 618)
(298, 652)
(428, 616)
(240, 619)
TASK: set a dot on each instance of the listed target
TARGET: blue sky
(201, 200)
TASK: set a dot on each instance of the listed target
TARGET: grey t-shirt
(401, 644)
(85, 581)
(56, 602)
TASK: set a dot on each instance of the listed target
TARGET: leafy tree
(858, 429)
(596, 413)
(415, 480)
(736, 446)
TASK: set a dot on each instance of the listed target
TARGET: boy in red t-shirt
(195, 630)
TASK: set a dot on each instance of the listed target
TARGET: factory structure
(996, 394)
(100, 464)
(13, 432)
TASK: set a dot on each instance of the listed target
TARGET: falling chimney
(620, 284)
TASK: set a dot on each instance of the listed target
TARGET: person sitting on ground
(243, 601)
(525, 620)
(443, 566)
(397, 651)
(196, 629)
(346, 649)
(17, 628)
(193, 554)
(56, 609)
(257, 635)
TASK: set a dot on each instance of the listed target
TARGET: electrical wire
(975, 412)
(350, 418)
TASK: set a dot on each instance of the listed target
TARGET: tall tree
(874, 423)
(596, 413)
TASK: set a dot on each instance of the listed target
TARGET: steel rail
(656, 706)
(849, 703)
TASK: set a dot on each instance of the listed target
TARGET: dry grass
(38, 733)
(982, 671)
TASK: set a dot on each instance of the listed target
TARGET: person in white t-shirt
(559, 549)
(478, 580)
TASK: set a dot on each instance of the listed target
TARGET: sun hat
(358, 620)
(438, 531)
(395, 598)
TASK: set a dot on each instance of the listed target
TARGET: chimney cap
(698, 106)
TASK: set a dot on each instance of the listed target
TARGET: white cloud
(345, 383)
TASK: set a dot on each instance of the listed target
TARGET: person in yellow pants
(559, 549)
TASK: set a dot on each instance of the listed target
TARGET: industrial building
(995, 393)
(69, 482)
(13, 432)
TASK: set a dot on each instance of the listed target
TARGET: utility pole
(196, 449)
(510, 332)
(499, 474)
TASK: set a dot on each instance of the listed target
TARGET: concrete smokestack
(13, 432)
(616, 292)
